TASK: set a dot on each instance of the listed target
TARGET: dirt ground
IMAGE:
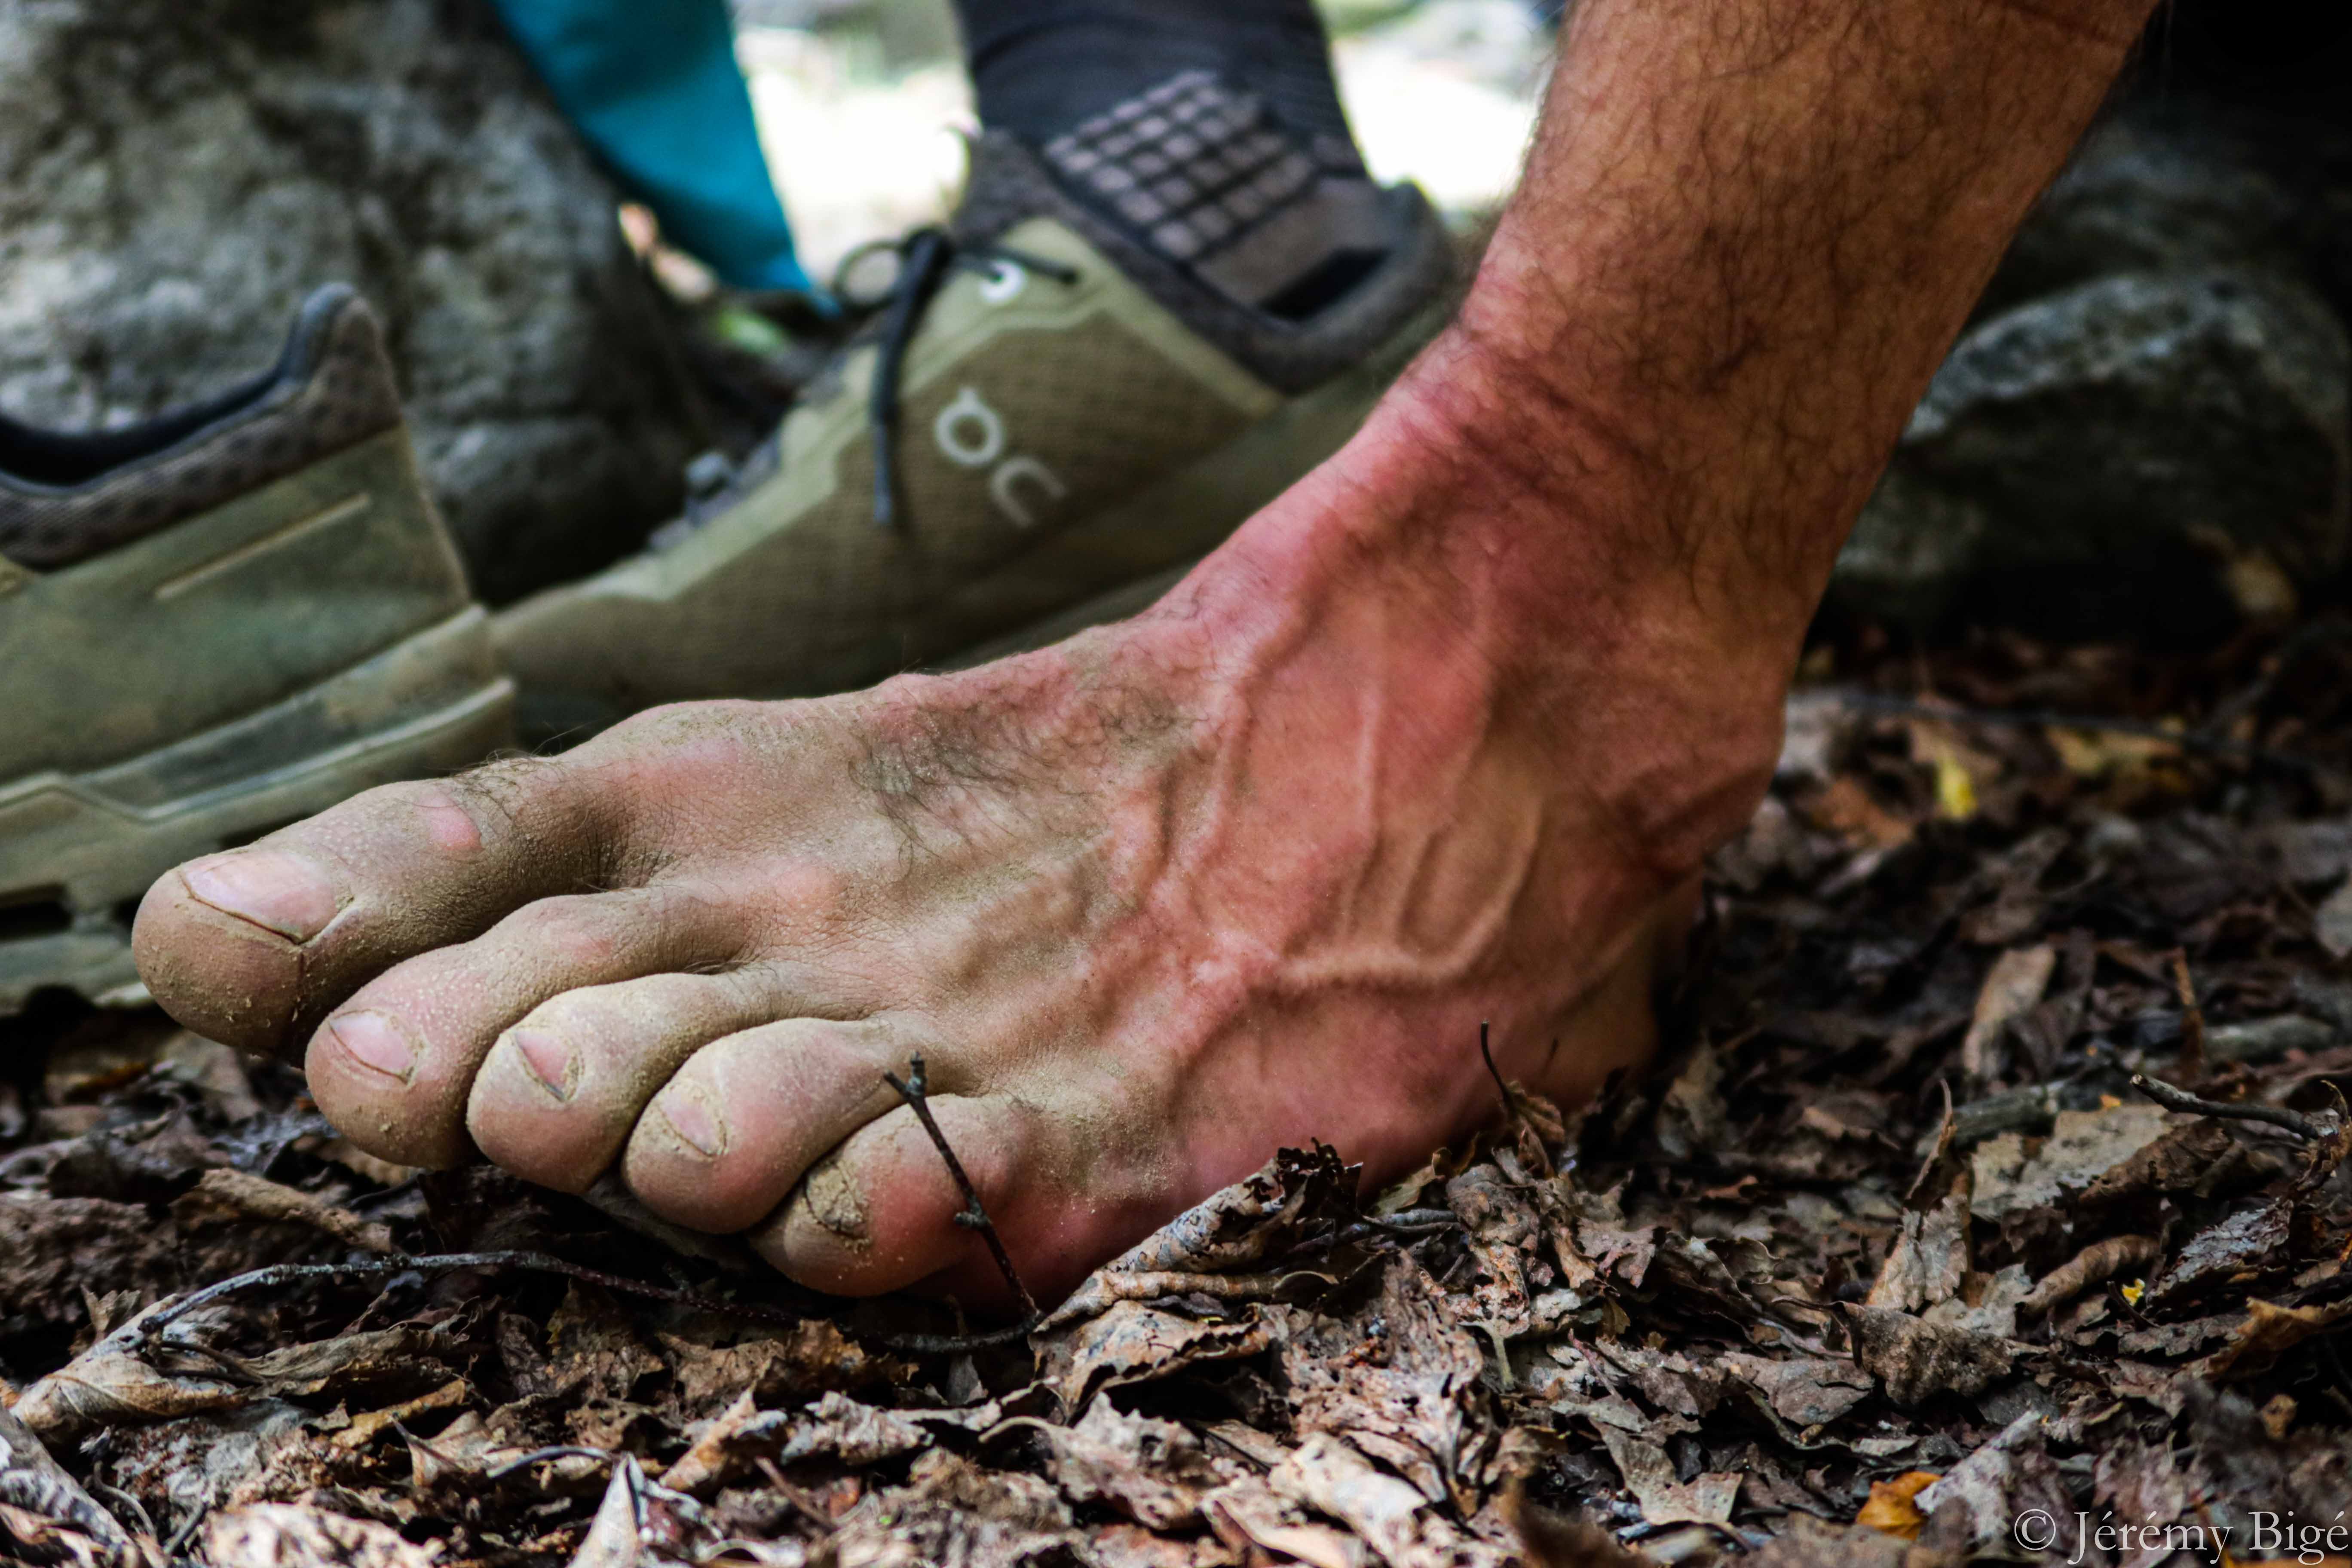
(1992, 1197)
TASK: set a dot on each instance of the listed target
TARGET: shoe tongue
(1206, 178)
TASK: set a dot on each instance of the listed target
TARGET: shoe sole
(77, 851)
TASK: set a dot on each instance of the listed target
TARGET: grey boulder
(176, 175)
(2159, 453)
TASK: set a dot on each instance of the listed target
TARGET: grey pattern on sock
(1210, 178)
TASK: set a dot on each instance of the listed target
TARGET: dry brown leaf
(106, 1386)
(1891, 1509)
(2083, 1146)
(1402, 1392)
(708, 1462)
(1918, 1361)
(1154, 1472)
(1992, 1488)
(2248, 1241)
(1132, 1344)
(1809, 1542)
(1329, 1477)
(812, 1358)
(225, 1193)
(838, 1427)
(283, 1536)
(2193, 1158)
(54, 1247)
(1930, 1255)
(48, 1515)
(2268, 1330)
(2012, 987)
(1649, 1474)
(1806, 1390)
(2095, 1265)
(1247, 1513)
(640, 1523)
(1549, 1540)
(1224, 1233)
(1845, 807)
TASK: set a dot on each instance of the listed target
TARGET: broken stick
(915, 1090)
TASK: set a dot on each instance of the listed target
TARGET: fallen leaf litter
(1998, 1166)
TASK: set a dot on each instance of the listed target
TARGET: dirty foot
(1246, 871)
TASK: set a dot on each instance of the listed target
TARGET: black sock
(1211, 130)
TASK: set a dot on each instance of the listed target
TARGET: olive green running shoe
(211, 624)
(1045, 414)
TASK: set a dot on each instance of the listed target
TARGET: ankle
(1526, 595)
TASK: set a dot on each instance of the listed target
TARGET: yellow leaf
(1890, 1510)
(1955, 792)
(2132, 1291)
(1963, 771)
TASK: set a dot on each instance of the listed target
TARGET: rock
(2151, 453)
(176, 175)
(2154, 190)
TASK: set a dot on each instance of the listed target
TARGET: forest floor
(1993, 1193)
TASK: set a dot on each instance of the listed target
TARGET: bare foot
(1248, 870)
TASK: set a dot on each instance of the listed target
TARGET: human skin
(1438, 739)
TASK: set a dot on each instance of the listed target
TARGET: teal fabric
(653, 87)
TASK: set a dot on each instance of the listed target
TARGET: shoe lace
(928, 256)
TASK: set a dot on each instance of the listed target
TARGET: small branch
(371, 1268)
(187, 1531)
(794, 1495)
(958, 1344)
(914, 1091)
(2171, 1098)
(1510, 1106)
(2190, 1068)
(544, 1456)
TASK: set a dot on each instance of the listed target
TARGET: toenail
(693, 1121)
(374, 1041)
(550, 1060)
(283, 893)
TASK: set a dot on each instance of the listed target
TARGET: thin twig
(122, 1501)
(914, 1091)
(538, 1262)
(794, 1495)
(2190, 1068)
(187, 1529)
(1510, 1106)
(444, 1263)
(959, 1344)
(2171, 1098)
(544, 1456)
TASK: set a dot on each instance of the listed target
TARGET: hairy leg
(1439, 738)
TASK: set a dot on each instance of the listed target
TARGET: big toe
(254, 946)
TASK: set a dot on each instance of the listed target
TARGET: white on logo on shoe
(968, 414)
(971, 434)
(1004, 281)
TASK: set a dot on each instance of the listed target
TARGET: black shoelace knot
(926, 258)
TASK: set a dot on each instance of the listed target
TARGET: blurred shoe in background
(213, 624)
